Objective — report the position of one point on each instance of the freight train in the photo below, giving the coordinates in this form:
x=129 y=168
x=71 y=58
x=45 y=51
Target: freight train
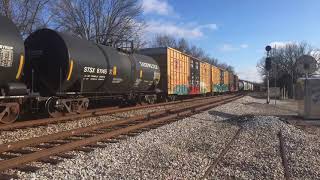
x=184 y=75
x=61 y=74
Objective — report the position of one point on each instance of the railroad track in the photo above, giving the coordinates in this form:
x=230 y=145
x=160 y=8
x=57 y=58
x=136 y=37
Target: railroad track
x=224 y=151
x=49 y=148
x=283 y=155
x=93 y=113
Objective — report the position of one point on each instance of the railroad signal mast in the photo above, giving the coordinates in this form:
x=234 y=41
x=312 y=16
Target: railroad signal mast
x=268 y=68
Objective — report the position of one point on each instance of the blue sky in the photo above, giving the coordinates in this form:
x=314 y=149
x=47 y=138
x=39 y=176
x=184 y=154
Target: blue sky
x=236 y=31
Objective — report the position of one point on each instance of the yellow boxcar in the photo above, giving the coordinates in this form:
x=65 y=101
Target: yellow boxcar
x=215 y=79
x=205 y=78
x=178 y=72
x=174 y=67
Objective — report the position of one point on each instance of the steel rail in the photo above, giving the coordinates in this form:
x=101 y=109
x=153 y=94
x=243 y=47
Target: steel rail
x=283 y=156
x=38 y=155
x=89 y=113
x=64 y=134
x=15 y=162
x=158 y=104
x=222 y=154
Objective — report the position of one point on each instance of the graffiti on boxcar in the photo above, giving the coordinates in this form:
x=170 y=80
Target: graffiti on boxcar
x=181 y=90
x=220 y=88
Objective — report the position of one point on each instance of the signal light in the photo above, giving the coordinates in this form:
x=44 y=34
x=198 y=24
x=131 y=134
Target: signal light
x=268 y=63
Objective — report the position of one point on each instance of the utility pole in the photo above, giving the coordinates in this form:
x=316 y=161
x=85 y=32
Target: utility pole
x=268 y=68
x=275 y=74
x=268 y=88
x=275 y=83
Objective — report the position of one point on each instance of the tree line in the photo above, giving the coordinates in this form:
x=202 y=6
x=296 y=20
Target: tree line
x=95 y=20
x=163 y=40
x=101 y=21
x=284 y=72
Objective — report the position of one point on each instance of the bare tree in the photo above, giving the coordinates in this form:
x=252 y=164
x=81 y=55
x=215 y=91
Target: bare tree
x=161 y=40
x=226 y=67
x=196 y=52
x=26 y=14
x=213 y=61
x=183 y=45
x=5 y=8
x=284 y=64
x=102 y=21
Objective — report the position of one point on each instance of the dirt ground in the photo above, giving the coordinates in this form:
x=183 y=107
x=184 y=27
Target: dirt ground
x=288 y=111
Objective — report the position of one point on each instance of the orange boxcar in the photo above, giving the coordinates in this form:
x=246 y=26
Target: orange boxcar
x=174 y=67
x=179 y=72
x=205 y=78
x=215 y=79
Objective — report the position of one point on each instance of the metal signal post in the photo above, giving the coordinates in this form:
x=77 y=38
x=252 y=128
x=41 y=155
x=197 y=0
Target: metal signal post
x=268 y=88
x=268 y=68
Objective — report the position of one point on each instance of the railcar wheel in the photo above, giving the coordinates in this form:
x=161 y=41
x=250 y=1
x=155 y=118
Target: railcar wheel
x=150 y=99
x=51 y=108
x=171 y=98
x=83 y=106
x=10 y=113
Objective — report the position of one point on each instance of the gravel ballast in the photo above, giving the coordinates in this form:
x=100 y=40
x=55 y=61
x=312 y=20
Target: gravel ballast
x=186 y=148
x=26 y=133
x=21 y=134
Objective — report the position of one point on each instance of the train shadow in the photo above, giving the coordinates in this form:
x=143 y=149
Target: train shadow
x=221 y=114
x=231 y=118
